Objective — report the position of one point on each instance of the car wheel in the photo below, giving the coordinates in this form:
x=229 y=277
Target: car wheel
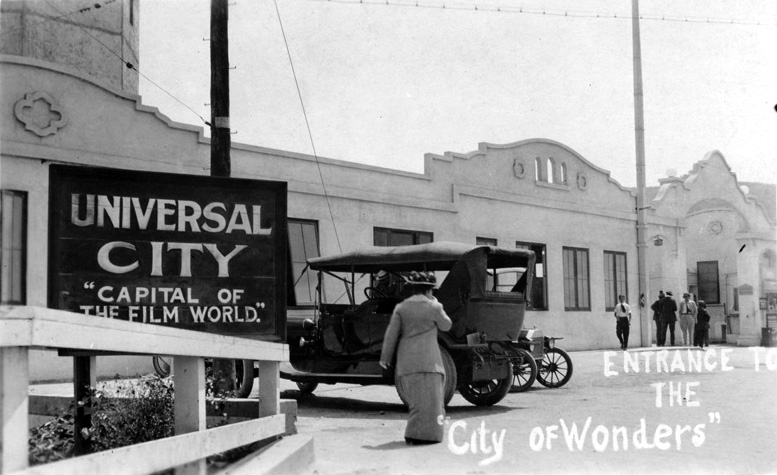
x=487 y=393
x=307 y=387
x=524 y=372
x=244 y=378
x=555 y=368
x=450 y=378
x=161 y=366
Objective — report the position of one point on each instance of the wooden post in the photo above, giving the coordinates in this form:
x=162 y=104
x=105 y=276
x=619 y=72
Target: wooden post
x=14 y=408
x=220 y=141
x=84 y=380
x=189 y=380
x=269 y=388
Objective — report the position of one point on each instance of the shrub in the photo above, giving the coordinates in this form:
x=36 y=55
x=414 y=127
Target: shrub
x=127 y=413
x=130 y=414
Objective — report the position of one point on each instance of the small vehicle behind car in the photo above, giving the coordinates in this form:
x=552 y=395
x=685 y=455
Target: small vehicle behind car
x=342 y=343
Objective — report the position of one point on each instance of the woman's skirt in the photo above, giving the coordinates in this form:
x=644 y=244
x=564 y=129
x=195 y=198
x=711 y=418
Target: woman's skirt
x=423 y=394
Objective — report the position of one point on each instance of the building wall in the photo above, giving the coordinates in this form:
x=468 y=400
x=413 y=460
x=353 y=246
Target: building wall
x=86 y=35
x=51 y=113
x=706 y=216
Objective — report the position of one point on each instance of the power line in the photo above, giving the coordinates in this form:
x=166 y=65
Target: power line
x=307 y=124
x=128 y=64
x=95 y=6
x=443 y=5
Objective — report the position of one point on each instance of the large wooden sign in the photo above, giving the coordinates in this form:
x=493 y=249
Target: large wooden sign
x=193 y=252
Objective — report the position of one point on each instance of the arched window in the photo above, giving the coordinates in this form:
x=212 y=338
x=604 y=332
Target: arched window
x=552 y=176
x=538 y=170
x=564 y=174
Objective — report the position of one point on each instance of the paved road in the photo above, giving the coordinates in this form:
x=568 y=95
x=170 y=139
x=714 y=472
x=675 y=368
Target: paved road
x=717 y=421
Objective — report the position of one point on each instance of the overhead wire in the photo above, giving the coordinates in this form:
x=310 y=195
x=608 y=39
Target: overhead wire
x=128 y=64
x=95 y=6
x=307 y=125
x=443 y=5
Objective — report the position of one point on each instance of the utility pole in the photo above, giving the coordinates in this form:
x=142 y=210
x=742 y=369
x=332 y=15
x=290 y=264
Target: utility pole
x=220 y=140
x=639 y=132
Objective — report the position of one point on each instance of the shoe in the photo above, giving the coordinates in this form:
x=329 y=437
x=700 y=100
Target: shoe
x=412 y=441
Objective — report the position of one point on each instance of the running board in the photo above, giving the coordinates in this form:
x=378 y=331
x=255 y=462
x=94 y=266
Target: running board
x=288 y=372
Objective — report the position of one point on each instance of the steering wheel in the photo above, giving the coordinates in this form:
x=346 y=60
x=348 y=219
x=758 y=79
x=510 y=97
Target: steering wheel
x=374 y=292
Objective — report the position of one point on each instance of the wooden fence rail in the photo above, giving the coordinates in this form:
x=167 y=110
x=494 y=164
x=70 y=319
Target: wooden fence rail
x=23 y=328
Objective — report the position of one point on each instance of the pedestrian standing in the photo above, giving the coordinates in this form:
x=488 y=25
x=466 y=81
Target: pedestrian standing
x=702 y=337
x=622 y=321
x=668 y=317
x=688 y=311
x=420 y=374
x=656 y=308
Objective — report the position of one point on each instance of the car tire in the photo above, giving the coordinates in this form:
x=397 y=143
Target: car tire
x=555 y=369
x=450 y=378
x=244 y=378
x=306 y=387
x=487 y=393
x=161 y=366
x=524 y=371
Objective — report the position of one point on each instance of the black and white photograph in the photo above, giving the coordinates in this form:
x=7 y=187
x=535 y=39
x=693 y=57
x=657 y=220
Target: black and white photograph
x=357 y=237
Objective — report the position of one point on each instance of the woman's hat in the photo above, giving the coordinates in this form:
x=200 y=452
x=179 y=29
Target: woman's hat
x=669 y=293
x=421 y=279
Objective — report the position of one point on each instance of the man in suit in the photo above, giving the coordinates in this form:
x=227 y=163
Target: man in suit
x=656 y=308
x=668 y=317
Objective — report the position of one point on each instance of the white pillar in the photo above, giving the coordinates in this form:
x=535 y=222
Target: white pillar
x=269 y=388
x=189 y=410
x=14 y=408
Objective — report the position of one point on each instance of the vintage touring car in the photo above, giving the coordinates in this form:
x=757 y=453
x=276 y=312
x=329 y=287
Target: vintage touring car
x=342 y=342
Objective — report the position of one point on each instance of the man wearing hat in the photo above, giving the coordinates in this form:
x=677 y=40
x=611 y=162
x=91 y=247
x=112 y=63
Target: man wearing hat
x=687 y=318
x=656 y=308
x=668 y=317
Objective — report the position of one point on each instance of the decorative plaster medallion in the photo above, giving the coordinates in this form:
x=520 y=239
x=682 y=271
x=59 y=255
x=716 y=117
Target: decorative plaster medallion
x=715 y=227
x=582 y=181
x=40 y=113
x=518 y=169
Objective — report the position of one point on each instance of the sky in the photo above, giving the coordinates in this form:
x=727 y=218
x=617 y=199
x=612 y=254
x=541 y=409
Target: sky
x=385 y=84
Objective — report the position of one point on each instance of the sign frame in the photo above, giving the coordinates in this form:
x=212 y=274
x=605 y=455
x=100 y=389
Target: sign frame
x=161 y=185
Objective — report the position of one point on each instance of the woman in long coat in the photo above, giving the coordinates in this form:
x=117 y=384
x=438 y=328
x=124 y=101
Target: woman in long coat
x=420 y=375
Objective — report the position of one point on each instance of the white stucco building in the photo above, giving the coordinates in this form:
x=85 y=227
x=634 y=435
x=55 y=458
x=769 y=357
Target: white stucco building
x=715 y=238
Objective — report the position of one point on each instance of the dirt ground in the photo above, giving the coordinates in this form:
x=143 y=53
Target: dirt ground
x=719 y=419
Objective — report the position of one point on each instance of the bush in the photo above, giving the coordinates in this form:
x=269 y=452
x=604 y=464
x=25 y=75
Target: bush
x=131 y=414
x=127 y=413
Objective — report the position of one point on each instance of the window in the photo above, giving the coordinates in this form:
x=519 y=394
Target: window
x=615 y=282
x=303 y=245
x=397 y=237
x=13 y=241
x=538 y=170
x=577 y=292
x=564 y=179
x=709 y=284
x=539 y=289
x=735 y=306
x=481 y=241
x=551 y=168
